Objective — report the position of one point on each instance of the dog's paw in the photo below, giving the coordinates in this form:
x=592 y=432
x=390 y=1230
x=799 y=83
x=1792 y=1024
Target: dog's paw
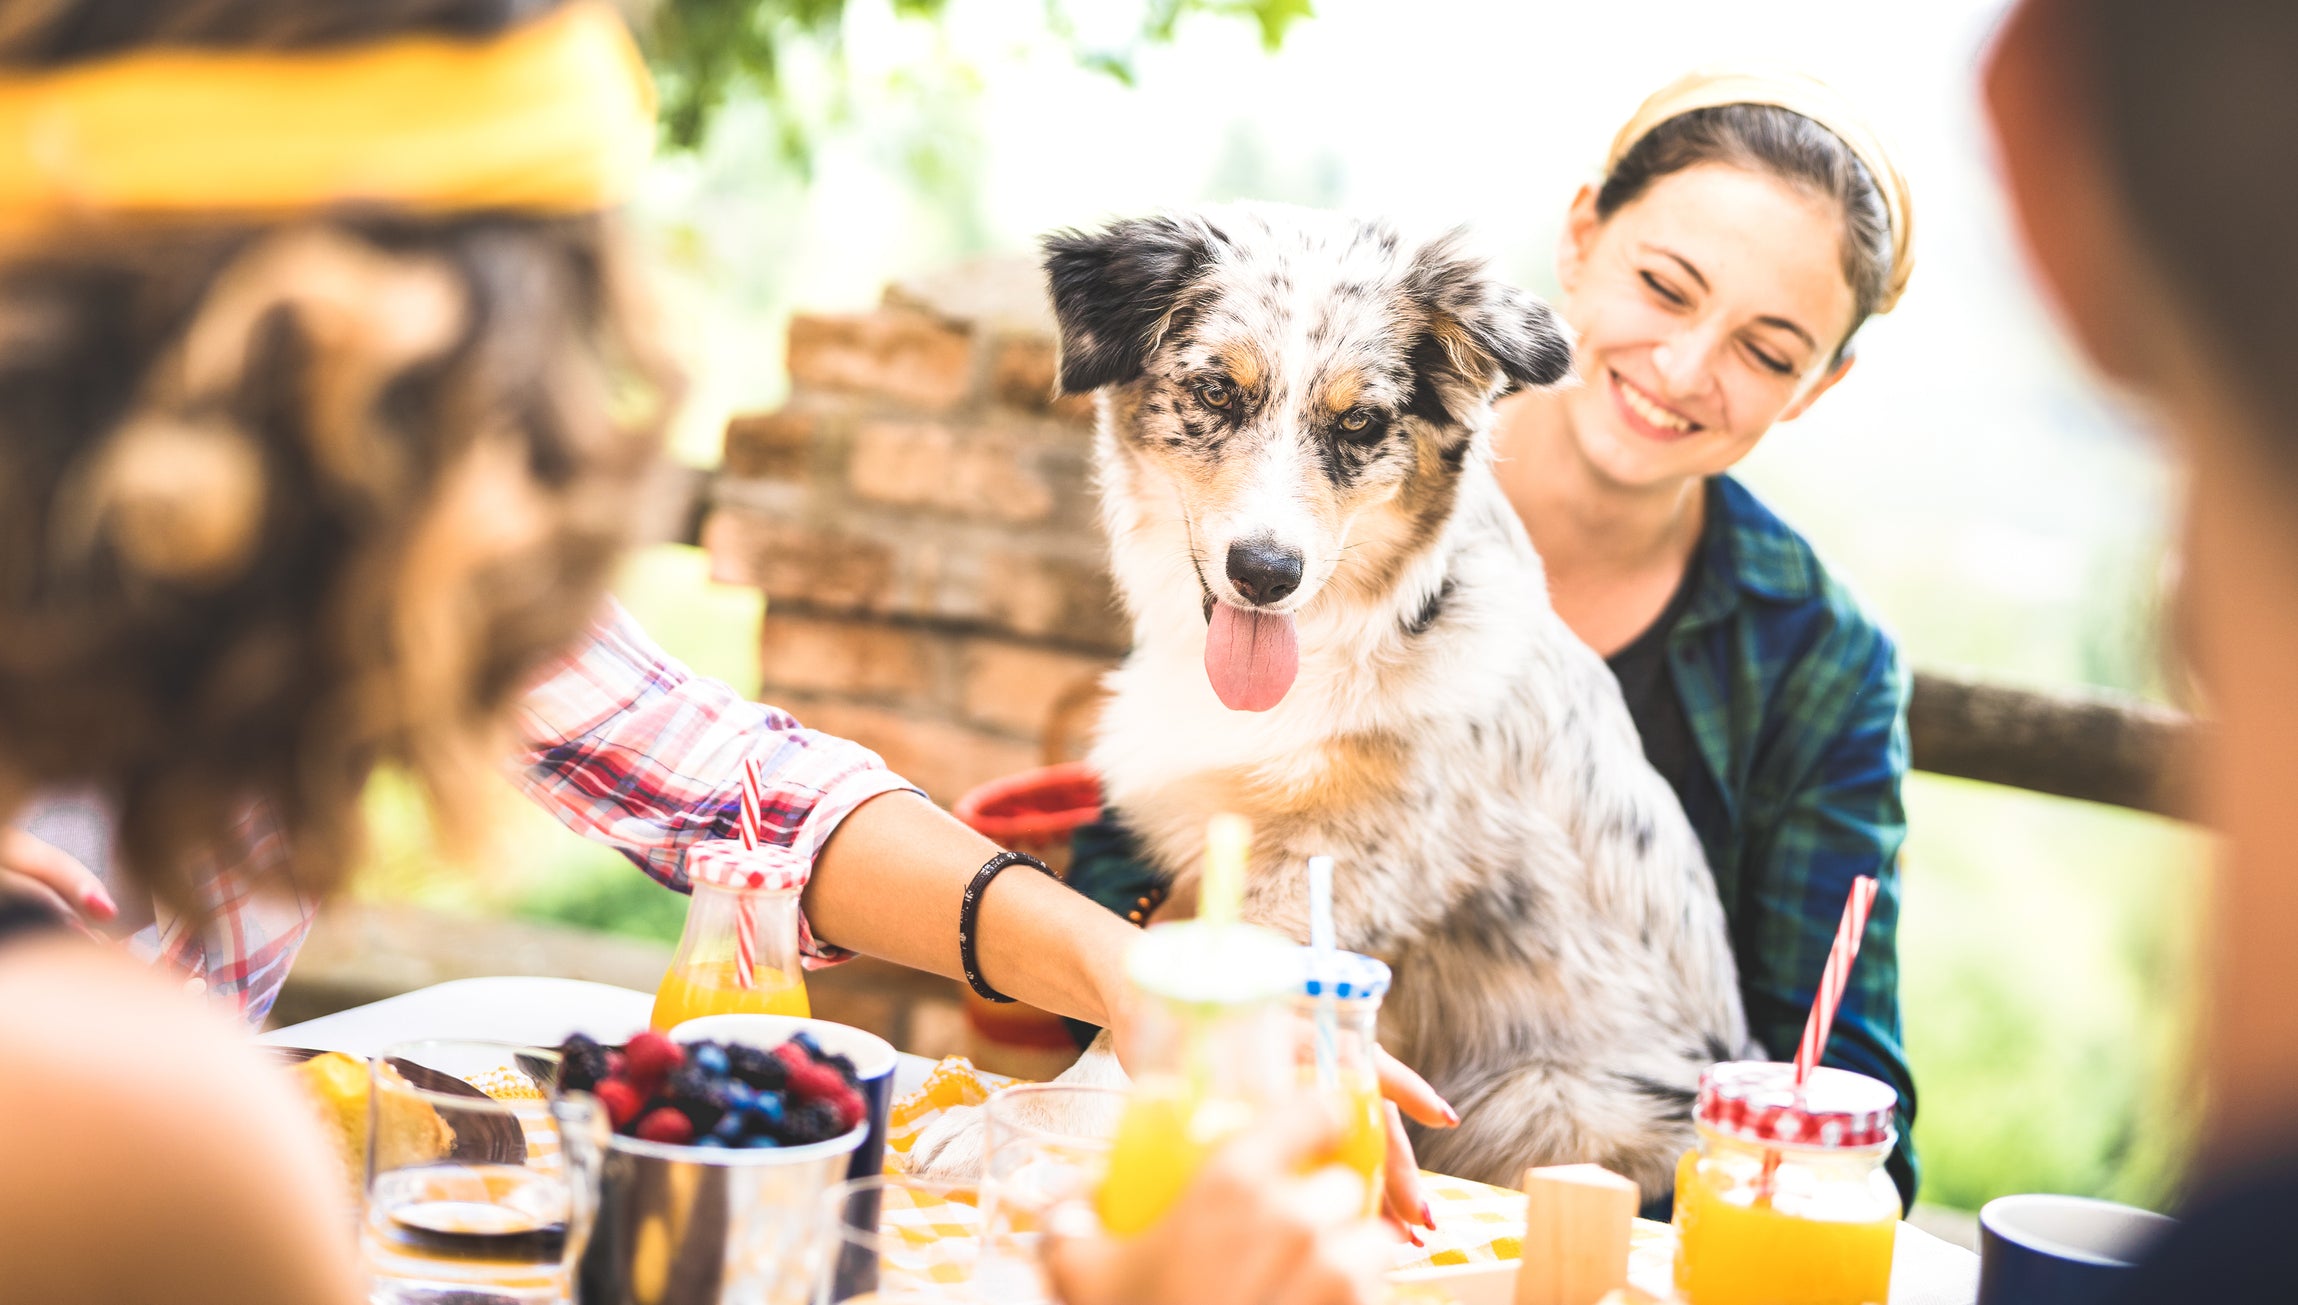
x=953 y=1146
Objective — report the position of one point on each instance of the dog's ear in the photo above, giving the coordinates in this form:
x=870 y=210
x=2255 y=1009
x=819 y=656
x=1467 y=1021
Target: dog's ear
x=1114 y=290
x=1493 y=333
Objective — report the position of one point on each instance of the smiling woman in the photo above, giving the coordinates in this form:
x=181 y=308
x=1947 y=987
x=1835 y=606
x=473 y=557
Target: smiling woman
x=1747 y=224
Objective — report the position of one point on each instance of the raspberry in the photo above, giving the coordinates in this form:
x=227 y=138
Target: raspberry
x=793 y=1056
x=652 y=1057
x=621 y=1101
x=848 y=1104
x=667 y=1126
x=816 y=1083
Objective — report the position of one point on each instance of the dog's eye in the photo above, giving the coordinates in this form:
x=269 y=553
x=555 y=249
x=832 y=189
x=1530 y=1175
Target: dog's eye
x=1215 y=394
x=1356 y=421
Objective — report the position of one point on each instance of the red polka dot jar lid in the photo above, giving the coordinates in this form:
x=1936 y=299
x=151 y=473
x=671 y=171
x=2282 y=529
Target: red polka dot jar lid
x=725 y=863
x=1758 y=1101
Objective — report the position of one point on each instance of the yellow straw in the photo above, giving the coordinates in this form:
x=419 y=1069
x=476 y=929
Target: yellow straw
x=1228 y=842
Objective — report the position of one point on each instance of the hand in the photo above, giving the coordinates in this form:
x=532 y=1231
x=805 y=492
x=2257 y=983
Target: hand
x=31 y=868
x=1406 y=1204
x=1250 y=1229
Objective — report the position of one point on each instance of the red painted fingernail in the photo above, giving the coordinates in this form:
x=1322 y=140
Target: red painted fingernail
x=1451 y=1117
x=1415 y=1237
x=99 y=904
x=1427 y=1217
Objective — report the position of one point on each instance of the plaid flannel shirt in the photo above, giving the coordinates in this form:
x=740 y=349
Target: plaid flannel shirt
x=1798 y=702
x=623 y=744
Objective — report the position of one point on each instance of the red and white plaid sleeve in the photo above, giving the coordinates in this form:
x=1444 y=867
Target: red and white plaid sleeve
x=629 y=748
x=240 y=956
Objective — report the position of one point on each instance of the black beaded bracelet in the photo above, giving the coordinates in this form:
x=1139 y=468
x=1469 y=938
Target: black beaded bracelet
x=969 y=915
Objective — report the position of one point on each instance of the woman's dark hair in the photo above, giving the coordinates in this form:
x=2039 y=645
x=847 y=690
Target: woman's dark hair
x=283 y=502
x=2199 y=102
x=1781 y=144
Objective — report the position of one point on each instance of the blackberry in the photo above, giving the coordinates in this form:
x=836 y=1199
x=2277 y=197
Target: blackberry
x=760 y=1069
x=699 y=1096
x=582 y=1064
x=845 y=1067
x=814 y=1121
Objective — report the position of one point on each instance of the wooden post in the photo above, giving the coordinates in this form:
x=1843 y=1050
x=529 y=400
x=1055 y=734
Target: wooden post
x=1576 y=1222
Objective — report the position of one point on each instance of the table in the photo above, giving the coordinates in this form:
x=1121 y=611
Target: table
x=537 y=1011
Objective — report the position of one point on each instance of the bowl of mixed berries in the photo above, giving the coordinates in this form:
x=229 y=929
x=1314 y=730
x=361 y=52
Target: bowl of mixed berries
x=720 y=1151
x=717 y=1094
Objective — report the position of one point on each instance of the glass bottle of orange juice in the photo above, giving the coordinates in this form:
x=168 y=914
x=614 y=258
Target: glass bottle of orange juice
x=1785 y=1200
x=742 y=920
x=1337 y=1010
x=1213 y=1050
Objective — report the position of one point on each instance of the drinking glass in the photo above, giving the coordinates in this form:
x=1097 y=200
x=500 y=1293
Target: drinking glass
x=1048 y=1150
x=893 y=1239
x=481 y=1183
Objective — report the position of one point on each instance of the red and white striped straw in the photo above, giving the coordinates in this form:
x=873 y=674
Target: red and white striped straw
x=745 y=919
x=1833 y=979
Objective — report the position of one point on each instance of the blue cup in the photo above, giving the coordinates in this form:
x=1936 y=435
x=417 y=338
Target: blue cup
x=2059 y=1250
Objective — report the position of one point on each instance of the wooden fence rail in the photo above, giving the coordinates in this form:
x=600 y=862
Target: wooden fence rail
x=2095 y=747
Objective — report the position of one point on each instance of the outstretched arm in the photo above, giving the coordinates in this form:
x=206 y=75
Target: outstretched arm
x=630 y=748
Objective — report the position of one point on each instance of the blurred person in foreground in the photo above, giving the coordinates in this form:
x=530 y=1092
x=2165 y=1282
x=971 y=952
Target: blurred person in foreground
x=322 y=392
x=1748 y=222
x=2151 y=151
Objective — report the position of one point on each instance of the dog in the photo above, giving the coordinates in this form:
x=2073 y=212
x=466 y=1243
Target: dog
x=1341 y=631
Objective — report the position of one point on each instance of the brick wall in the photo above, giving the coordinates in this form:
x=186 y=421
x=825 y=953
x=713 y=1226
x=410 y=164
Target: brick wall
x=920 y=517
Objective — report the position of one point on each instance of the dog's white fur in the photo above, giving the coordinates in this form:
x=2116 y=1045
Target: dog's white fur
x=1562 y=971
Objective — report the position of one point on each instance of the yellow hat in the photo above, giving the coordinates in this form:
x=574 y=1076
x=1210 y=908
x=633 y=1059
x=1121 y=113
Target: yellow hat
x=555 y=116
x=1805 y=96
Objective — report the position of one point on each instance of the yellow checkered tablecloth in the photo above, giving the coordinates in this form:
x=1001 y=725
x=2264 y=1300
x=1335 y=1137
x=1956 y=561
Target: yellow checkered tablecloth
x=938 y=1238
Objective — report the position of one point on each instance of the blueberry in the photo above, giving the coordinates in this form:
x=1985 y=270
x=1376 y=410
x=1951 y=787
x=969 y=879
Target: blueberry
x=760 y=1142
x=767 y=1106
x=806 y=1040
x=711 y=1139
x=738 y=1094
x=710 y=1058
x=730 y=1127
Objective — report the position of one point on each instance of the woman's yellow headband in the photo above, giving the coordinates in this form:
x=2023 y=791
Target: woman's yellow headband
x=1808 y=97
x=552 y=117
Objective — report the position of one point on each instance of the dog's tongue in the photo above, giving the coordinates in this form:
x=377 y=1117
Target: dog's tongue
x=1251 y=657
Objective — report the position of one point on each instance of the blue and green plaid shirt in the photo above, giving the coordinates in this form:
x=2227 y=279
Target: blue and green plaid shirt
x=1797 y=701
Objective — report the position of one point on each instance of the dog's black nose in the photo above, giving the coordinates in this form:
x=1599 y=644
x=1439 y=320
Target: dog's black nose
x=1262 y=572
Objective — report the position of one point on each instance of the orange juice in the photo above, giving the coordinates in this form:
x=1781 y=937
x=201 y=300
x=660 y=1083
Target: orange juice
x=708 y=988
x=1364 y=1139
x=1212 y=1049
x=1163 y=1139
x=1740 y=1249
x=1785 y=1201
x=1337 y=1012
